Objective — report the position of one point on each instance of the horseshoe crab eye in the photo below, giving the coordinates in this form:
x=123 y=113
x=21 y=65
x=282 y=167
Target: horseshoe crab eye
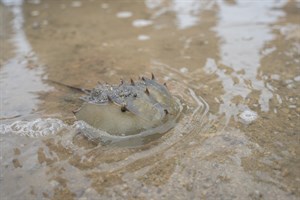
x=123 y=109
x=166 y=111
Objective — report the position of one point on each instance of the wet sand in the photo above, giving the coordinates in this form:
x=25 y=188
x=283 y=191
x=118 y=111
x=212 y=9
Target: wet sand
x=242 y=58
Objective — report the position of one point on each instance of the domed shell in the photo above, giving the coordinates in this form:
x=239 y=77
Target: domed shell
x=128 y=108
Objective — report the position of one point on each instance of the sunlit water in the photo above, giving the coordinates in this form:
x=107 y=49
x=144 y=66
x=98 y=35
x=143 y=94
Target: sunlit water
x=19 y=84
x=246 y=25
x=237 y=136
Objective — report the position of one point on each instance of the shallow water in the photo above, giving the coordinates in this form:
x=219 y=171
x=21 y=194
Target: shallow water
x=234 y=65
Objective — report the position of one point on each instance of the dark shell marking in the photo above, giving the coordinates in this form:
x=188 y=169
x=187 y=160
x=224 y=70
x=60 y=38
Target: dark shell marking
x=129 y=108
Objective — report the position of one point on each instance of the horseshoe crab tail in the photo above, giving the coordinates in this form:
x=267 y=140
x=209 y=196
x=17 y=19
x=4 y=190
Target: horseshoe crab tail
x=84 y=90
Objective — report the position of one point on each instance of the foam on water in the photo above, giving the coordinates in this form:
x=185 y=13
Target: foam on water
x=124 y=14
x=42 y=127
x=141 y=23
x=248 y=116
x=21 y=75
x=143 y=37
x=35 y=128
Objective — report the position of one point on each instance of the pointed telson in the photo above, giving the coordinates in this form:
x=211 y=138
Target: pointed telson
x=143 y=78
x=165 y=84
x=166 y=111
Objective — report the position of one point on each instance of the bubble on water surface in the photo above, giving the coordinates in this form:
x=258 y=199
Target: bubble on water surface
x=124 y=14
x=297 y=78
x=35 y=128
x=248 y=116
x=143 y=37
x=141 y=23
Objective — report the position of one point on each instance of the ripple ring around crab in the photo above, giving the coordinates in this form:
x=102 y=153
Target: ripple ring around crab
x=131 y=112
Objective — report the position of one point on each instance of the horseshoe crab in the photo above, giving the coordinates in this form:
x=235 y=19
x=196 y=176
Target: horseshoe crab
x=130 y=108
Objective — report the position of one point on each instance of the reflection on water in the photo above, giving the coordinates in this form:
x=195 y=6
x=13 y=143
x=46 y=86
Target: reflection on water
x=34 y=128
x=244 y=29
x=18 y=83
x=187 y=12
x=233 y=64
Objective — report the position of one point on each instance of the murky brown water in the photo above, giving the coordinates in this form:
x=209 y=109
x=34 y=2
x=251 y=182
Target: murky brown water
x=235 y=65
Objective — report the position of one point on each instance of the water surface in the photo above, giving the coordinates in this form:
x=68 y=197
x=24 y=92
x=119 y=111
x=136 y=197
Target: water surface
x=234 y=64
